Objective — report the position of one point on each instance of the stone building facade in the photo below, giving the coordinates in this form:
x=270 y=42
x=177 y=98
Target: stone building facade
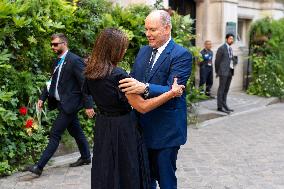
x=215 y=18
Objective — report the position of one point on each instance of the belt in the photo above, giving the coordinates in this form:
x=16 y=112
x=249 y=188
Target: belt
x=113 y=114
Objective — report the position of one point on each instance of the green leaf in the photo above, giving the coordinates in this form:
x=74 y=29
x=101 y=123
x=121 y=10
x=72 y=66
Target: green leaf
x=5 y=56
x=6 y=96
x=20 y=21
x=32 y=40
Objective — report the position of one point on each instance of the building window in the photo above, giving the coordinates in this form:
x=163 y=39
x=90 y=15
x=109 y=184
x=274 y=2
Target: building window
x=184 y=7
x=243 y=31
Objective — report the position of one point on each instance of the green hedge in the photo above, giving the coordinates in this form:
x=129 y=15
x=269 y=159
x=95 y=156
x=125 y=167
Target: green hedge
x=25 y=61
x=267 y=58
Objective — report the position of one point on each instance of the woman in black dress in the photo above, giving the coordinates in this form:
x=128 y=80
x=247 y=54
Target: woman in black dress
x=119 y=160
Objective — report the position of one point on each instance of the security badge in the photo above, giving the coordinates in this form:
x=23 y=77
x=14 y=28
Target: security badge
x=208 y=57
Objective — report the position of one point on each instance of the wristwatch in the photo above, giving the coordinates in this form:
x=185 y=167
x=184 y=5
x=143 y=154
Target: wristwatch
x=146 y=91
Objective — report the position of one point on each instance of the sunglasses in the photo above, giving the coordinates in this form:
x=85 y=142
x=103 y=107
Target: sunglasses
x=56 y=44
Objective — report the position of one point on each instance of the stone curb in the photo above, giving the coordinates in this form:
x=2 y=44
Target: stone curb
x=203 y=113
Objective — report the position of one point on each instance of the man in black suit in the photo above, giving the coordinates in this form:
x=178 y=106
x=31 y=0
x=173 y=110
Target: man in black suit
x=224 y=68
x=64 y=92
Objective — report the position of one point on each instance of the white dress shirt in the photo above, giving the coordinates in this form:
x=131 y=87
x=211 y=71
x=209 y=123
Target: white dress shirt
x=160 y=50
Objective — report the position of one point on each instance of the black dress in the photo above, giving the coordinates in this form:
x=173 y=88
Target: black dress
x=120 y=159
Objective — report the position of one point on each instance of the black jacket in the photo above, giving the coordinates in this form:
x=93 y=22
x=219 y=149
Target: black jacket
x=70 y=86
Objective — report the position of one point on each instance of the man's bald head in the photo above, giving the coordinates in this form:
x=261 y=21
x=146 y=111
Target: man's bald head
x=162 y=16
x=158 y=28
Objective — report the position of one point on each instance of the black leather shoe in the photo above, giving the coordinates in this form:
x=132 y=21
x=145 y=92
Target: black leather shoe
x=81 y=162
x=228 y=109
x=224 y=111
x=212 y=97
x=35 y=170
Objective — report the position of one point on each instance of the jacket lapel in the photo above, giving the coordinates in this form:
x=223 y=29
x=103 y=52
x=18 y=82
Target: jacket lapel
x=226 y=51
x=144 y=62
x=53 y=66
x=161 y=59
x=66 y=60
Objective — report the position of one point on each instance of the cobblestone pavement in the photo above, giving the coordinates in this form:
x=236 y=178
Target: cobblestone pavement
x=240 y=151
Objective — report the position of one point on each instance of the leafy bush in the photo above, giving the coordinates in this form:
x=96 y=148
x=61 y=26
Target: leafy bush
x=25 y=61
x=267 y=47
x=21 y=136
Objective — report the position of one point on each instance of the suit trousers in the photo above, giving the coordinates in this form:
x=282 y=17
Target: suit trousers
x=224 y=86
x=206 y=77
x=62 y=122
x=163 y=167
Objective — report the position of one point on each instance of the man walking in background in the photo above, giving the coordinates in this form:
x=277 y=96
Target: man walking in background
x=206 y=68
x=224 y=68
x=64 y=93
x=154 y=70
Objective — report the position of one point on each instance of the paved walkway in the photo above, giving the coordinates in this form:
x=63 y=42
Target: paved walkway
x=242 y=151
x=239 y=101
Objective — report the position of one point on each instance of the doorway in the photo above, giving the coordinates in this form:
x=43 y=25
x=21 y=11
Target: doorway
x=185 y=7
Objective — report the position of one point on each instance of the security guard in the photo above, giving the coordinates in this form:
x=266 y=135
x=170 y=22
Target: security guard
x=206 y=68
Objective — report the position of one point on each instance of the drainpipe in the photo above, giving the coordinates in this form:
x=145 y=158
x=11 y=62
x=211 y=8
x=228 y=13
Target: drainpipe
x=205 y=19
x=248 y=67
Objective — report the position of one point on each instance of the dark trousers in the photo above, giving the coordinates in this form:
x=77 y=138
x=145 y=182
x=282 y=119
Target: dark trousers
x=224 y=85
x=71 y=123
x=206 y=77
x=163 y=167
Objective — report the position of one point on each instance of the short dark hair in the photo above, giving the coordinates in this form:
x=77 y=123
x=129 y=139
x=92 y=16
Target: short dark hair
x=61 y=36
x=207 y=41
x=229 y=35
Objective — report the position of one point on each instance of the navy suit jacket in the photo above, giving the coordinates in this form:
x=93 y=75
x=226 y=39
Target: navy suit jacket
x=165 y=126
x=70 y=85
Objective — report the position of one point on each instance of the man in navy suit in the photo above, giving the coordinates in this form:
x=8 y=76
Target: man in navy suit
x=64 y=92
x=155 y=67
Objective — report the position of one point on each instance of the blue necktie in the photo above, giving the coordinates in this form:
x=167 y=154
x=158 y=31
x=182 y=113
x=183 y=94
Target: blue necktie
x=230 y=53
x=150 y=64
